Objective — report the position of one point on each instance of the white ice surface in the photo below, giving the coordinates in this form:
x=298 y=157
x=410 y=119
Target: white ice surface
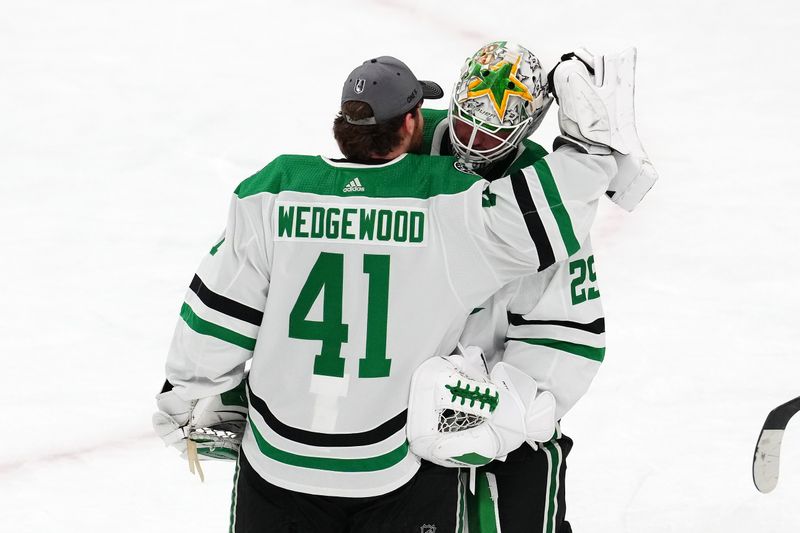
x=124 y=126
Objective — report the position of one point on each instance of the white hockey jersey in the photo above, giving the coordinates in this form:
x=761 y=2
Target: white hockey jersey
x=339 y=279
x=549 y=324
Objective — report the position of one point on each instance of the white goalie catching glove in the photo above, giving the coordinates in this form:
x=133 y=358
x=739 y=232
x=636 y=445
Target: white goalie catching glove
x=210 y=428
x=459 y=416
x=596 y=113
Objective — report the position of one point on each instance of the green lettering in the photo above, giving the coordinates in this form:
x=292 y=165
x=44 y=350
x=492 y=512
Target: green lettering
x=384 y=225
x=299 y=222
x=401 y=226
x=346 y=223
x=375 y=363
x=417 y=227
x=366 y=227
x=285 y=216
x=579 y=266
x=593 y=292
x=317 y=222
x=325 y=278
x=332 y=223
x=581 y=289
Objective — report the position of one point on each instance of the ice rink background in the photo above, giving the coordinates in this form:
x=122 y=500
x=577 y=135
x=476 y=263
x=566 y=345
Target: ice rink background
x=124 y=127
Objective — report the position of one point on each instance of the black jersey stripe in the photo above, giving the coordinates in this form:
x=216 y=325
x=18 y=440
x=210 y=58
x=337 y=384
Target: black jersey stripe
x=532 y=220
x=220 y=303
x=596 y=326
x=336 y=440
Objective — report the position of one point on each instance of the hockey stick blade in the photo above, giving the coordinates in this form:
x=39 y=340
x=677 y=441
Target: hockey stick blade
x=766 y=459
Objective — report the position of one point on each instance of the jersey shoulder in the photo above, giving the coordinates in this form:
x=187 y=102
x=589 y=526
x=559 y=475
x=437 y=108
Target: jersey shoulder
x=409 y=176
x=533 y=152
x=433 y=118
x=285 y=172
x=425 y=176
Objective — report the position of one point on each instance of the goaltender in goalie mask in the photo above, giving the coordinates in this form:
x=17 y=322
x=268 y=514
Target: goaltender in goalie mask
x=500 y=98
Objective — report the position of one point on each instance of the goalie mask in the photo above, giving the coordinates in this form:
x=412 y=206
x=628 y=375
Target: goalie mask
x=500 y=99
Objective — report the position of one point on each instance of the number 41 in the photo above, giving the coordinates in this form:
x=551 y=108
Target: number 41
x=328 y=274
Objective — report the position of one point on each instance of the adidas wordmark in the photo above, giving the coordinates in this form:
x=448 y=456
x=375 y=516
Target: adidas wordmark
x=354 y=186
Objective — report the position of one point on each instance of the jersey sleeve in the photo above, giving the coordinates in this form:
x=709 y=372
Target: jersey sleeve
x=223 y=308
x=556 y=328
x=540 y=214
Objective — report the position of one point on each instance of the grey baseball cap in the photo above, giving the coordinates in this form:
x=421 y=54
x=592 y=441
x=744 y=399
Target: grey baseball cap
x=389 y=87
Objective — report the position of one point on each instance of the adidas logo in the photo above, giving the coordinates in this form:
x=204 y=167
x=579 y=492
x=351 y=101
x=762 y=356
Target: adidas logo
x=354 y=186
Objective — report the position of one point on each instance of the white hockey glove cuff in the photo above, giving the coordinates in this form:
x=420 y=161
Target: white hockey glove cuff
x=171 y=419
x=214 y=424
x=636 y=175
x=534 y=417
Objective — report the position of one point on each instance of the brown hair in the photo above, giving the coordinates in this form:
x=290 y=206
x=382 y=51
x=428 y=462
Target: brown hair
x=365 y=142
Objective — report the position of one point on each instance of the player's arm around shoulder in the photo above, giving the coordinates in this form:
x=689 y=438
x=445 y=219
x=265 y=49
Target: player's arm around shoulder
x=573 y=182
x=540 y=213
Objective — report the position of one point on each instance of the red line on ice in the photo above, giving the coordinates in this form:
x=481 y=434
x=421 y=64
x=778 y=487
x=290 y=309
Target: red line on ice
x=7 y=468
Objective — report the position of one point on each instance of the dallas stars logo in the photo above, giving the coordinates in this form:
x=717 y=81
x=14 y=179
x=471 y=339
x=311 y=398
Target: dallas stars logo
x=499 y=84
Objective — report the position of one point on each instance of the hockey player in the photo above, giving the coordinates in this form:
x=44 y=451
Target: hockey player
x=549 y=324
x=338 y=278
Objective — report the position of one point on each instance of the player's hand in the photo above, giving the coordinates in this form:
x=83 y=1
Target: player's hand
x=582 y=55
x=215 y=424
x=171 y=420
x=524 y=414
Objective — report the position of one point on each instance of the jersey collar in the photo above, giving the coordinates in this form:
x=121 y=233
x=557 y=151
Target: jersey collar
x=351 y=163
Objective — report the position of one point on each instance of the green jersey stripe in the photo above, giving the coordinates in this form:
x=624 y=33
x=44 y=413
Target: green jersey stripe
x=557 y=206
x=216 y=247
x=589 y=352
x=204 y=327
x=473 y=458
x=554 y=453
x=365 y=464
x=482 y=507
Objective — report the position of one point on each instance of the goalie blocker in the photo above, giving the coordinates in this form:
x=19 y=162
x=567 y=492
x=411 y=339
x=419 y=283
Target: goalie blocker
x=596 y=115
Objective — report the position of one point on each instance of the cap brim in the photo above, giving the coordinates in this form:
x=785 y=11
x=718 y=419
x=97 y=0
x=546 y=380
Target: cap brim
x=431 y=90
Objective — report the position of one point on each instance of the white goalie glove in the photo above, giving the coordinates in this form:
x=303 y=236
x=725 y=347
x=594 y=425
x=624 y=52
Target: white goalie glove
x=596 y=113
x=210 y=428
x=459 y=416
